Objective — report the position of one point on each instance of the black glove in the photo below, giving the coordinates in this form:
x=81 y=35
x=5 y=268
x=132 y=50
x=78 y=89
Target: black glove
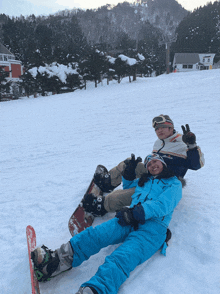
x=131 y=216
x=143 y=179
x=131 y=164
x=188 y=137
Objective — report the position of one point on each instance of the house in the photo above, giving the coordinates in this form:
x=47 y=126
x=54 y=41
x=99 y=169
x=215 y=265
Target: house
x=192 y=61
x=10 y=64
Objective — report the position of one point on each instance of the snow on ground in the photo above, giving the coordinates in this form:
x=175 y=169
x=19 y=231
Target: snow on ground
x=50 y=147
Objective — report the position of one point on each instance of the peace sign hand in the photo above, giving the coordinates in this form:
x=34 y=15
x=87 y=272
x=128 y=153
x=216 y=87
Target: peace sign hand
x=188 y=137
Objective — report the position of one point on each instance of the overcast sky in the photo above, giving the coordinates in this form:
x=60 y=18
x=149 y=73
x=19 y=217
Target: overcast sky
x=46 y=7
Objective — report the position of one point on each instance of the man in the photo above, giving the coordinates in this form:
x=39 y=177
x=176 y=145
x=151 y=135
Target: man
x=180 y=152
x=140 y=230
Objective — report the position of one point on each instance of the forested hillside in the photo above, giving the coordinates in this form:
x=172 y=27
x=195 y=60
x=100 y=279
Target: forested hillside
x=67 y=35
x=200 y=31
x=109 y=25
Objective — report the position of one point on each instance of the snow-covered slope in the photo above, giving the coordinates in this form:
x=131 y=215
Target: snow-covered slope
x=50 y=147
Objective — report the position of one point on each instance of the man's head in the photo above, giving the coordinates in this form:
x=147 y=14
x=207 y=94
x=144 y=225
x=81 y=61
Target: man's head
x=163 y=126
x=154 y=164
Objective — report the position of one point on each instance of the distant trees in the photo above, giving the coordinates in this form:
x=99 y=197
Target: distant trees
x=69 y=36
x=58 y=78
x=39 y=40
x=112 y=42
x=199 y=32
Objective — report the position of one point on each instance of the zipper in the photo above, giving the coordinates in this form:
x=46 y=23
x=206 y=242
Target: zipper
x=150 y=190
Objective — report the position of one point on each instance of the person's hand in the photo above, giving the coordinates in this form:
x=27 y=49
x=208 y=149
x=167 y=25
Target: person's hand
x=131 y=216
x=188 y=137
x=130 y=166
x=125 y=217
x=143 y=179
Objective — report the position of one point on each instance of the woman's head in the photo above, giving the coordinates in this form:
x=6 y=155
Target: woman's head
x=154 y=164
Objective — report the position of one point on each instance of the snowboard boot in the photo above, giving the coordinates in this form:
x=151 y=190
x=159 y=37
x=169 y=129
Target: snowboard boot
x=86 y=290
x=102 y=179
x=94 y=204
x=48 y=263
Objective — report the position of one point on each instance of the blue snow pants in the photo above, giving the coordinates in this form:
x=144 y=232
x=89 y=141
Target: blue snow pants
x=136 y=248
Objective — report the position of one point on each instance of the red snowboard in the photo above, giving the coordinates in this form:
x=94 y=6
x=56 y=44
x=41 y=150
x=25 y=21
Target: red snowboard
x=80 y=219
x=31 y=242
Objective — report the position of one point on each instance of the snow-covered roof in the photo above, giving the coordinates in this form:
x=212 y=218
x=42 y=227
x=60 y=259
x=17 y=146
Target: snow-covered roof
x=186 y=58
x=4 y=50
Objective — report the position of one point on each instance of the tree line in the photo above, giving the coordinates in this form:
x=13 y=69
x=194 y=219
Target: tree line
x=97 y=66
x=84 y=40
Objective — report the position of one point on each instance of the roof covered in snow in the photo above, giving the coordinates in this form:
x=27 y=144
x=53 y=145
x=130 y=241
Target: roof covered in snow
x=186 y=58
x=4 y=50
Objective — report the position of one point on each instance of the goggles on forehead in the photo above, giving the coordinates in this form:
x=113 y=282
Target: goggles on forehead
x=161 y=119
x=153 y=156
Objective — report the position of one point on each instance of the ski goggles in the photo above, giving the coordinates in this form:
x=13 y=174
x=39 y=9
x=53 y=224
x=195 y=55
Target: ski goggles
x=153 y=156
x=161 y=119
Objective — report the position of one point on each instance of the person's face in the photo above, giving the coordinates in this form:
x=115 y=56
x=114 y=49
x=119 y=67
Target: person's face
x=163 y=133
x=155 y=167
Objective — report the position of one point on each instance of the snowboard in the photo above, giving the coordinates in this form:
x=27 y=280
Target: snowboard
x=80 y=219
x=31 y=243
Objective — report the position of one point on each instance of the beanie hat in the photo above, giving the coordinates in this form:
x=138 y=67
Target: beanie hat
x=163 y=121
x=154 y=156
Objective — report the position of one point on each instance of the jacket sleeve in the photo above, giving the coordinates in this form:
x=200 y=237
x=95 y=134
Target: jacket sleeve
x=129 y=184
x=195 y=158
x=165 y=203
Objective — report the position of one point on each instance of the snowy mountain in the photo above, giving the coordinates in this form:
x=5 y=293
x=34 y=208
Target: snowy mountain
x=50 y=147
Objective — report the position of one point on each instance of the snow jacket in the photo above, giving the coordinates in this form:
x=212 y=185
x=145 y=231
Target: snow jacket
x=178 y=156
x=158 y=197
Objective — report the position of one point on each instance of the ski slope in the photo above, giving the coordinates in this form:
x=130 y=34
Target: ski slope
x=50 y=147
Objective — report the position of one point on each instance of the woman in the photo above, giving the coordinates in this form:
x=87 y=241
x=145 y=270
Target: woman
x=141 y=229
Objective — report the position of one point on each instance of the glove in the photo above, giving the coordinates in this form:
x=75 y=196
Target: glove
x=143 y=179
x=131 y=216
x=131 y=164
x=188 y=137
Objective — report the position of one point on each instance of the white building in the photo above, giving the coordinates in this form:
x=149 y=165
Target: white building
x=192 y=61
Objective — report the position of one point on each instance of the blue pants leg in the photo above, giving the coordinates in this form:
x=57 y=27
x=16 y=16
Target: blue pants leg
x=137 y=247
x=92 y=240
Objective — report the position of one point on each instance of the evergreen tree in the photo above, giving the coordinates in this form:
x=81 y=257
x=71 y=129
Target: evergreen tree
x=29 y=83
x=94 y=66
x=42 y=82
x=121 y=68
x=54 y=84
x=124 y=42
x=44 y=41
x=73 y=82
x=36 y=59
x=3 y=81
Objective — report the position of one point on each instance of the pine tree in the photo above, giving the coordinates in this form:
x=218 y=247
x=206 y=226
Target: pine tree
x=29 y=83
x=3 y=81
x=121 y=68
x=73 y=81
x=94 y=66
